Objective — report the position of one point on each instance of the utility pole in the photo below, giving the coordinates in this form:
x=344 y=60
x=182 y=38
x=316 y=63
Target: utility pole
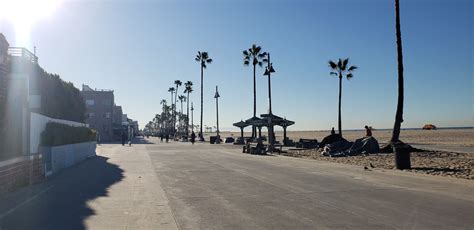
x=216 y=96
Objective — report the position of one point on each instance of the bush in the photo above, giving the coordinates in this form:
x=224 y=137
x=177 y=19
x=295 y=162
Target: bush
x=57 y=134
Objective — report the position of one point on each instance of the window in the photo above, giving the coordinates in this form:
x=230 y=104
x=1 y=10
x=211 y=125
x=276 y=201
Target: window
x=107 y=115
x=107 y=102
x=89 y=102
x=89 y=115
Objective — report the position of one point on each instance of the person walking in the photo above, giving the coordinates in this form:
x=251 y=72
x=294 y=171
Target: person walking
x=167 y=138
x=193 y=137
x=124 y=138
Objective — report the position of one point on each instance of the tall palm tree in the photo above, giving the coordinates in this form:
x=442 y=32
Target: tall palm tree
x=341 y=69
x=399 y=114
x=178 y=83
x=253 y=55
x=181 y=99
x=188 y=88
x=203 y=58
x=401 y=150
x=171 y=90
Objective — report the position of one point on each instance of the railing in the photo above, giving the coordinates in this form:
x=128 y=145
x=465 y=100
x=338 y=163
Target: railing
x=22 y=52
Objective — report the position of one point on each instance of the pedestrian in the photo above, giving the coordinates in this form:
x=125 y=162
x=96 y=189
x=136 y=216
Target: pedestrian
x=193 y=137
x=333 y=131
x=167 y=138
x=161 y=137
x=368 y=131
x=124 y=138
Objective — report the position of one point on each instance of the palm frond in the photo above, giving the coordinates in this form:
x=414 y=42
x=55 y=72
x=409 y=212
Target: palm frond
x=344 y=63
x=246 y=62
x=260 y=63
x=339 y=64
x=203 y=65
x=209 y=60
x=349 y=76
x=246 y=53
x=333 y=73
x=352 y=68
x=332 y=64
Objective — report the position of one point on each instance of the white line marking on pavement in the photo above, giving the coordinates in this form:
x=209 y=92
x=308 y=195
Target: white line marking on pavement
x=25 y=202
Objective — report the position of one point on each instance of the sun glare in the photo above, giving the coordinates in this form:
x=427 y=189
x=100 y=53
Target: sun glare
x=23 y=14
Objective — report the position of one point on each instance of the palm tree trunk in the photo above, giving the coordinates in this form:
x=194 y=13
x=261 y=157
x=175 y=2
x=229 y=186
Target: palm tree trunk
x=399 y=114
x=254 y=130
x=175 y=108
x=339 y=122
x=187 y=116
x=200 y=127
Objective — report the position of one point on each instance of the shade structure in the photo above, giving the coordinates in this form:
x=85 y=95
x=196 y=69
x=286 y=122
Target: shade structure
x=255 y=121
x=241 y=124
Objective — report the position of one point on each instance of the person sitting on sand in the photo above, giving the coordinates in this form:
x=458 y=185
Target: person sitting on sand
x=368 y=131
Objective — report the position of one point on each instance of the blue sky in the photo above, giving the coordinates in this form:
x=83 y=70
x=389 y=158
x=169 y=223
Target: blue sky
x=138 y=48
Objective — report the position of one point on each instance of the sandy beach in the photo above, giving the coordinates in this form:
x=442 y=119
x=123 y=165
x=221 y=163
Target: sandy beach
x=440 y=137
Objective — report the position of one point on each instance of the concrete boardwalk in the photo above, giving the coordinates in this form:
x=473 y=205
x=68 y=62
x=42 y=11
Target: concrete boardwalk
x=177 y=185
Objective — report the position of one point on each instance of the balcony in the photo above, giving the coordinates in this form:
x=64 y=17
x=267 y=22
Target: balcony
x=23 y=53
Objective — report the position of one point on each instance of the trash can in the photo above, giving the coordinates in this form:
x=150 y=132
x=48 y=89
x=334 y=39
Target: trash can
x=402 y=156
x=212 y=139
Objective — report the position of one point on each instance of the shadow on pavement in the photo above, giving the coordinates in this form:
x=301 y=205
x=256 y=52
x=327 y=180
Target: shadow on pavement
x=64 y=206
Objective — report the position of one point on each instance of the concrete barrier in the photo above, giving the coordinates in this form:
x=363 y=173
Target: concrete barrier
x=56 y=158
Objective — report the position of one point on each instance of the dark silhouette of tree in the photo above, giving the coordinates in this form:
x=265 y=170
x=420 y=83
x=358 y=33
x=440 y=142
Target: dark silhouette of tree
x=203 y=58
x=178 y=83
x=399 y=113
x=181 y=99
x=253 y=55
x=341 y=69
x=188 y=88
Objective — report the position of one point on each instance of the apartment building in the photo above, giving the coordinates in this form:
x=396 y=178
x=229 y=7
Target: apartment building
x=99 y=111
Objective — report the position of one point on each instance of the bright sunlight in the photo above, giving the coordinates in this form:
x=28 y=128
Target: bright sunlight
x=23 y=14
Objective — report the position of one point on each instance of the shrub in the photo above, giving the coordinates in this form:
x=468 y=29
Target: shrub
x=57 y=134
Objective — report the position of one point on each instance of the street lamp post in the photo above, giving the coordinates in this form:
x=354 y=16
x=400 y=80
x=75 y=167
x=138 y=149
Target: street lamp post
x=268 y=70
x=216 y=96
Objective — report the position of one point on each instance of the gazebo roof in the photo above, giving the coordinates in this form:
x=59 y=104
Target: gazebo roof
x=286 y=123
x=256 y=121
x=241 y=124
x=276 y=120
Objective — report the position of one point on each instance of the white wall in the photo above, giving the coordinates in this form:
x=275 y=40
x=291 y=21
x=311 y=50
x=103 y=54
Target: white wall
x=38 y=125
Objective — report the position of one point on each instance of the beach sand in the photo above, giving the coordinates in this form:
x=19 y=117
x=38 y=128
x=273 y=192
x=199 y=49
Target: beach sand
x=440 y=137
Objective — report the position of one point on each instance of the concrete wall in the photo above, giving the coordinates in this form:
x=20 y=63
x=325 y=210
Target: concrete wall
x=57 y=158
x=38 y=125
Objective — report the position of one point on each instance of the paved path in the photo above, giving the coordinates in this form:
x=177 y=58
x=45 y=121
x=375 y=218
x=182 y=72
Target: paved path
x=177 y=185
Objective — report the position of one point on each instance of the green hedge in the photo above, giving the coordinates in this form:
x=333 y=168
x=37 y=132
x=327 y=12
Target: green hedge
x=57 y=134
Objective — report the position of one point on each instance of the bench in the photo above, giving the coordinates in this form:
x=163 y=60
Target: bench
x=308 y=144
x=254 y=148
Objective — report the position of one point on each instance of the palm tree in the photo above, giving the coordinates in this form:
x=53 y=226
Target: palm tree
x=341 y=69
x=164 y=122
x=177 y=83
x=253 y=55
x=401 y=150
x=171 y=90
x=181 y=99
x=203 y=59
x=188 y=88
x=399 y=113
